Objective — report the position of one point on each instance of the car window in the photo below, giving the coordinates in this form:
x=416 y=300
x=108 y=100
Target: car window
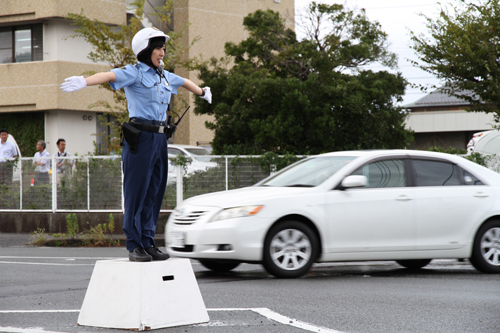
x=436 y=173
x=308 y=172
x=470 y=179
x=199 y=151
x=387 y=173
x=173 y=152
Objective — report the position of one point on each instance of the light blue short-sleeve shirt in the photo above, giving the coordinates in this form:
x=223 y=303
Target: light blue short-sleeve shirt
x=147 y=97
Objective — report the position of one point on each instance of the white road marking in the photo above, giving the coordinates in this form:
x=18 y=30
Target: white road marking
x=41 y=263
x=292 y=322
x=62 y=258
x=265 y=312
x=53 y=258
x=25 y=330
x=37 y=311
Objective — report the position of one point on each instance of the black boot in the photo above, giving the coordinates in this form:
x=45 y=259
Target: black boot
x=157 y=254
x=139 y=255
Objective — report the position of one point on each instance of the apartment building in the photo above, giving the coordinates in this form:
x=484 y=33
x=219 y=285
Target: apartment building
x=37 y=53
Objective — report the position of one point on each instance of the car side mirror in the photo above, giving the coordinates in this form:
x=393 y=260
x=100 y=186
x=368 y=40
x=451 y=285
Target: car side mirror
x=354 y=181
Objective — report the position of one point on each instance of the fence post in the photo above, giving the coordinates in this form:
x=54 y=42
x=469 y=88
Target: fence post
x=227 y=175
x=179 y=172
x=21 y=184
x=54 y=185
x=88 y=184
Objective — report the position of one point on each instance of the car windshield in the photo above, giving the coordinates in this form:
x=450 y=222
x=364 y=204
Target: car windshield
x=309 y=172
x=198 y=153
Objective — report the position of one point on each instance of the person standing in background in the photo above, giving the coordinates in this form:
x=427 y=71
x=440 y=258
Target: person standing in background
x=63 y=165
x=42 y=164
x=7 y=150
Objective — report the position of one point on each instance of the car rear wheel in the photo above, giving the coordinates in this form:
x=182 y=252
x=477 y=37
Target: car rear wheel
x=219 y=265
x=290 y=249
x=414 y=263
x=486 y=248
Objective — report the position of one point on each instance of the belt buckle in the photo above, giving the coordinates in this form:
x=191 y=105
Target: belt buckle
x=161 y=129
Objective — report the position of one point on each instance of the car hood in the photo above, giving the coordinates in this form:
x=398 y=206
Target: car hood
x=245 y=196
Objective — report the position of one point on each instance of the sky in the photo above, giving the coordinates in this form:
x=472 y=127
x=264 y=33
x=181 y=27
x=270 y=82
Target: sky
x=397 y=18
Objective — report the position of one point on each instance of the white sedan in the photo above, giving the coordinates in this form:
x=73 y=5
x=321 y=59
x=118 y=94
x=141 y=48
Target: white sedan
x=402 y=205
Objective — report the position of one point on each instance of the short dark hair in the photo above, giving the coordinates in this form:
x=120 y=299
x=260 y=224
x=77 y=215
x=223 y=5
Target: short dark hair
x=145 y=55
x=4 y=130
x=59 y=141
x=42 y=143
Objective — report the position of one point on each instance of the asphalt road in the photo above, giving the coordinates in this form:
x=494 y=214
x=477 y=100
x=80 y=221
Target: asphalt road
x=42 y=290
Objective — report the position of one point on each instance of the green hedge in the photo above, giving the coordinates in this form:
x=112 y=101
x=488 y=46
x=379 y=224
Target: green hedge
x=26 y=127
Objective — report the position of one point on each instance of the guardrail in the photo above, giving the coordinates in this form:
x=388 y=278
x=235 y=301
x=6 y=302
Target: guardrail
x=95 y=184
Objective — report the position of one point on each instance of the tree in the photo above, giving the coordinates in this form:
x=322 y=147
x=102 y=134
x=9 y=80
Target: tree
x=113 y=45
x=464 y=52
x=305 y=97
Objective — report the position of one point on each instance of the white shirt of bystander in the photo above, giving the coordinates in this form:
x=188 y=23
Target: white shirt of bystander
x=45 y=161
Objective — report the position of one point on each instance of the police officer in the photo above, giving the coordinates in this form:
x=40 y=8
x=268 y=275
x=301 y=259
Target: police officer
x=145 y=156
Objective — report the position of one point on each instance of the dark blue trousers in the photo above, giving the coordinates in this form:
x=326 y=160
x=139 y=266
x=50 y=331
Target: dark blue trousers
x=144 y=181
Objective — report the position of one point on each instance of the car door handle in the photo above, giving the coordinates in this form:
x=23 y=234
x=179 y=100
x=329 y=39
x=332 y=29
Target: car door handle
x=481 y=195
x=403 y=198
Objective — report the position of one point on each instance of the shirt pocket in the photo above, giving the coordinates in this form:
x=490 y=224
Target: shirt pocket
x=166 y=93
x=148 y=88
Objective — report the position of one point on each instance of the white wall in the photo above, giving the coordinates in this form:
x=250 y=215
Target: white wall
x=449 y=121
x=70 y=126
x=58 y=45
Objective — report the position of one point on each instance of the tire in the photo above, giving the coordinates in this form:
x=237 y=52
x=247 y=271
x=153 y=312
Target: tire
x=219 y=265
x=414 y=263
x=486 y=248
x=290 y=249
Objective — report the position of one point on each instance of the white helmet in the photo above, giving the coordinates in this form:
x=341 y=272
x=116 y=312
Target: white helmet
x=142 y=37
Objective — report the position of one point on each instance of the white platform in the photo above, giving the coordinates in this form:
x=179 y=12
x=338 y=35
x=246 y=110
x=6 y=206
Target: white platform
x=142 y=296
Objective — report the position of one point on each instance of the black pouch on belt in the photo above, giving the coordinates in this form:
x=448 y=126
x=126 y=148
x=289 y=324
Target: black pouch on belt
x=131 y=135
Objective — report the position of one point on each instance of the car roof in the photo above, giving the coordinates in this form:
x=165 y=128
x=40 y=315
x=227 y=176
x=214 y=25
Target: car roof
x=185 y=146
x=388 y=152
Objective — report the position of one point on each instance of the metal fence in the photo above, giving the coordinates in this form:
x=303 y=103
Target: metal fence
x=95 y=184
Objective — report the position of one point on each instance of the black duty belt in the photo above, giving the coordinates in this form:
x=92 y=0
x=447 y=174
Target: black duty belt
x=149 y=128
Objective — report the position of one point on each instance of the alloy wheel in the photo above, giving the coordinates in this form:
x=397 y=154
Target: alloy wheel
x=490 y=246
x=290 y=249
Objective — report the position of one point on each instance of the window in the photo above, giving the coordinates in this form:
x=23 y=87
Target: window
x=470 y=179
x=174 y=152
x=388 y=173
x=434 y=173
x=21 y=43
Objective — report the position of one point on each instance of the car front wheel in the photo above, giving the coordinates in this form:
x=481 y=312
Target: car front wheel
x=219 y=265
x=486 y=248
x=290 y=249
x=414 y=263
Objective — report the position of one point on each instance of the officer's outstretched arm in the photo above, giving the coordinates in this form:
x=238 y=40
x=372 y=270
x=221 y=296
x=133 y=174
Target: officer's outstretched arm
x=204 y=93
x=76 y=83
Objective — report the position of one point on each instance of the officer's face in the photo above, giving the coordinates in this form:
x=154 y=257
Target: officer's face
x=157 y=55
x=3 y=136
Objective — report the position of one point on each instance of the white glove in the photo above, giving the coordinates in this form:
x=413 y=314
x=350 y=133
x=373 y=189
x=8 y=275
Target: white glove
x=208 y=95
x=73 y=83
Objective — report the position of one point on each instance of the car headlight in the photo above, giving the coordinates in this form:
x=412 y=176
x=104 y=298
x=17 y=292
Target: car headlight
x=230 y=213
